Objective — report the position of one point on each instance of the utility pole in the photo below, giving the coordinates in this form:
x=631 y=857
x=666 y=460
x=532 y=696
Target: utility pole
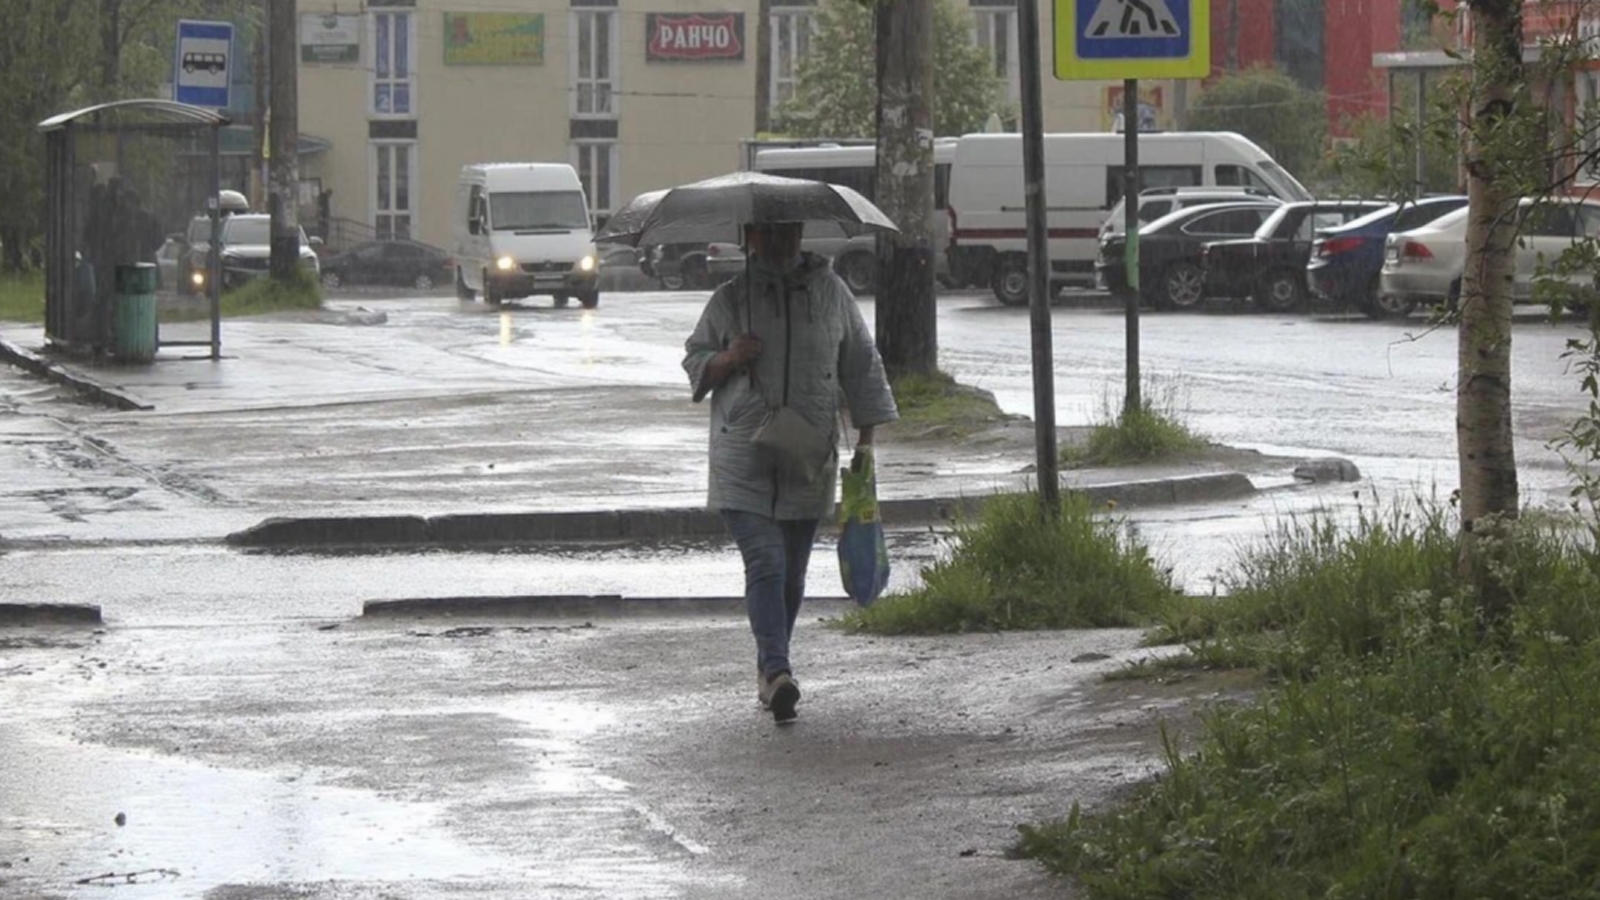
x=1038 y=225
x=907 y=312
x=763 y=67
x=284 y=130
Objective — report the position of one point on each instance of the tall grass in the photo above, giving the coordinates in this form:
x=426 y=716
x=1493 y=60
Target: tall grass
x=1153 y=431
x=1409 y=747
x=22 y=297
x=1014 y=569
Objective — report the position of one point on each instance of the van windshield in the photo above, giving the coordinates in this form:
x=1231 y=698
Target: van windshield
x=529 y=210
x=1282 y=182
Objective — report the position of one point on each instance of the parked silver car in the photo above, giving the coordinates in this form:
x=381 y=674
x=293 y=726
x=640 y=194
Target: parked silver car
x=1424 y=265
x=247 y=251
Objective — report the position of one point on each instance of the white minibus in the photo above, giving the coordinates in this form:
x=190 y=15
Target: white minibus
x=523 y=229
x=1083 y=181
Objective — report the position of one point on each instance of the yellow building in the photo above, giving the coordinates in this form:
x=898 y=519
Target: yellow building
x=637 y=94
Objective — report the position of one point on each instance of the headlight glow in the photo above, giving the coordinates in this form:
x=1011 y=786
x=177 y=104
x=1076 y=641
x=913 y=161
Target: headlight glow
x=587 y=264
x=198 y=277
x=505 y=264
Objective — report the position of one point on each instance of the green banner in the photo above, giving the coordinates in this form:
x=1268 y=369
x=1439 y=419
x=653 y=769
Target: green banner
x=493 y=39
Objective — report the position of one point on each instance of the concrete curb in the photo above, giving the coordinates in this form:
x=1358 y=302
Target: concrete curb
x=103 y=394
x=13 y=614
x=565 y=606
x=502 y=529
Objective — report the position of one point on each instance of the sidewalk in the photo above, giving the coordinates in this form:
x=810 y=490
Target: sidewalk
x=361 y=435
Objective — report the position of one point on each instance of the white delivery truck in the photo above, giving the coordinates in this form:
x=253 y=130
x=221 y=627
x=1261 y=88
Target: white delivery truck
x=1083 y=181
x=521 y=230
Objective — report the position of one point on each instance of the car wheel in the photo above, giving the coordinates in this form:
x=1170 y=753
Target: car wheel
x=1379 y=306
x=331 y=279
x=859 y=271
x=424 y=282
x=491 y=297
x=1279 y=291
x=463 y=293
x=673 y=282
x=1010 y=283
x=1182 y=286
x=589 y=299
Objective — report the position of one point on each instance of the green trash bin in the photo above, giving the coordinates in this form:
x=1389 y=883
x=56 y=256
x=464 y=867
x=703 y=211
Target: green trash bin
x=133 y=336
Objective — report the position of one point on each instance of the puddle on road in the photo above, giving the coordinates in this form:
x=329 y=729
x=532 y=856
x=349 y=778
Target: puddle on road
x=59 y=802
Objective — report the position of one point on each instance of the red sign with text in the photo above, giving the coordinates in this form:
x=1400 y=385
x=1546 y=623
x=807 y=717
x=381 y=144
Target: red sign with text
x=695 y=37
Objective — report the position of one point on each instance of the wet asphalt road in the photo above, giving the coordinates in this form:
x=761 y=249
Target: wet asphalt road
x=261 y=740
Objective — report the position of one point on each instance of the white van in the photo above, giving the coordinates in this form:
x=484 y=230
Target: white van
x=856 y=166
x=523 y=229
x=1083 y=181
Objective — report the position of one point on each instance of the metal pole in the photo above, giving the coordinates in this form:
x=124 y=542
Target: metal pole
x=1132 y=404
x=1044 y=388
x=214 y=253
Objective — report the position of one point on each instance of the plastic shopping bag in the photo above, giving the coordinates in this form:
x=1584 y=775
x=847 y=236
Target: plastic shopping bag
x=863 y=554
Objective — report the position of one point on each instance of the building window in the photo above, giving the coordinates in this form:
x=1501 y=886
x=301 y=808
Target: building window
x=1587 y=124
x=995 y=30
x=394 y=67
x=394 y=173
x=792 y=30
x=594 y=63
x=596 y=162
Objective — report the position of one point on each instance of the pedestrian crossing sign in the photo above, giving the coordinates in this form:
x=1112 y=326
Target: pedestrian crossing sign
x=1118 y=39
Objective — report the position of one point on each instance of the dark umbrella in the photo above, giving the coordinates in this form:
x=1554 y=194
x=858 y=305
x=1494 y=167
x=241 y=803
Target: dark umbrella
x=716 y=210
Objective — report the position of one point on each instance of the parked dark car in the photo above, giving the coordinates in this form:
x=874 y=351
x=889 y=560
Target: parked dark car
x=396 y=263
x=1270 y=266
x=677 y=267
x=1346 y=261
x=1169 y=250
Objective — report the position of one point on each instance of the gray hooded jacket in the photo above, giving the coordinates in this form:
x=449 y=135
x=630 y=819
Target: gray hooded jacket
x=816 y=350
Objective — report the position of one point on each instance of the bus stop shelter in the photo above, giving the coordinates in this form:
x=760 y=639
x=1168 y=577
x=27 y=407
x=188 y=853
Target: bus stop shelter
x=119 y=179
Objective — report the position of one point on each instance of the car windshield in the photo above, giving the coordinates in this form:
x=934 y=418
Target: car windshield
x=252 y=231
x=527 y=210
x=1373 y=217
x=1284 y=183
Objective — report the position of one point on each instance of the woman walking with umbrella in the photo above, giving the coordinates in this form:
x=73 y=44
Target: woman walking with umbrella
x=777 y=349
x=786 y=334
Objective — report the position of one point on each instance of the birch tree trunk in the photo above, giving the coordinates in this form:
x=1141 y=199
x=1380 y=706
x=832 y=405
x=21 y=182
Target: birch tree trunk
x=1486 y=454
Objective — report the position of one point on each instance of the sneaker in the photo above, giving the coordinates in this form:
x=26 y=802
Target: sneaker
x=783 y=692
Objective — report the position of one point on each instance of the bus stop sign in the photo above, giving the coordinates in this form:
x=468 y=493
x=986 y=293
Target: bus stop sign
x=202 y=65
x=1122 y=39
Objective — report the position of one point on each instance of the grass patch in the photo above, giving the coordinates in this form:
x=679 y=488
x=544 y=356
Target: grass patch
x=1406 y=748
x=1119 y=437
x=22 y=297
x=1009 y=569
x=938 y=404
x=265 y=295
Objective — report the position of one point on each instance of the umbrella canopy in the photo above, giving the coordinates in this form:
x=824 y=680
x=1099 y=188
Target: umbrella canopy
x=717 y=209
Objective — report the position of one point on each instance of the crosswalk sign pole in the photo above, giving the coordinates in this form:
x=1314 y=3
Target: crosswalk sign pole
x=1033 y=193
x=1132 y=405
x=1104 y=40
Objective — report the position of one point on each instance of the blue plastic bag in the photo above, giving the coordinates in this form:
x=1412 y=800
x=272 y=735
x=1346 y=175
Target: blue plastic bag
x=863 y=553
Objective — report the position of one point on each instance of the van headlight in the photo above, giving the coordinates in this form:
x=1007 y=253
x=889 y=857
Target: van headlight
x=586 y=264
x=505 y=264
x=198 y=278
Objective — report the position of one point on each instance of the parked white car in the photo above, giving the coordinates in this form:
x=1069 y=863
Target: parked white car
x=1424 y=265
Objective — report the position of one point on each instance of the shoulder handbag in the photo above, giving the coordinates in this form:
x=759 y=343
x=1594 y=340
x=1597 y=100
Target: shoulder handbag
x=798 y=449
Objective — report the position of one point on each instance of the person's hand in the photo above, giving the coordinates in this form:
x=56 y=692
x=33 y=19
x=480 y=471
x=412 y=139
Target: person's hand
x=744 y=350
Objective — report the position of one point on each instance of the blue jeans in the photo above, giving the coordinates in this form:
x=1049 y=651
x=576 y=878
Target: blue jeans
x=776 y=554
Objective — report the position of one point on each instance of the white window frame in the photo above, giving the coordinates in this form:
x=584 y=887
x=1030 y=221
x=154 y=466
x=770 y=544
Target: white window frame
x=374 y=209
x=985 y=20
x=409 y=14
x=607 y=80
x=1587 y=106
x=605 y=150
x=792 y=18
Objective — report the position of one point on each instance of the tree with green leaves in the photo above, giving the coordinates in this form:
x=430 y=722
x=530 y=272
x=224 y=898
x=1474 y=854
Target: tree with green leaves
x=836 y=92
x=1269 y=108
